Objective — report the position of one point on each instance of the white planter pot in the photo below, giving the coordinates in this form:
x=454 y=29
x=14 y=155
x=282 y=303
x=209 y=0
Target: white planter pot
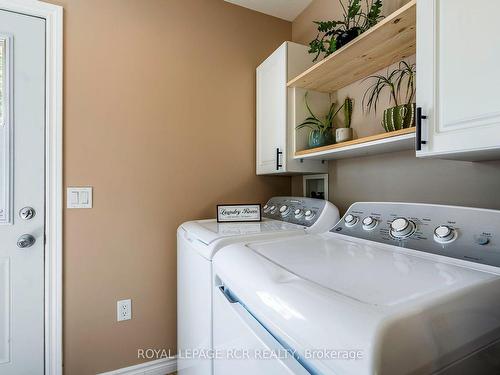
x=343 y=134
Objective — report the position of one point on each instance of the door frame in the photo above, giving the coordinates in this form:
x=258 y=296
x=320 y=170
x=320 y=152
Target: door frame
x=53 y=15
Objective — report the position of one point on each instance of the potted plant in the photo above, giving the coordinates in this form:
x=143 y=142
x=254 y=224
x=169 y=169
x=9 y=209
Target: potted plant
x=345 y=133
x=401 y=115
x=332 y=35
x=321 y=131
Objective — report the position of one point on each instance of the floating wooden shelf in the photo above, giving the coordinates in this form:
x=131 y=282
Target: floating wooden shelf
x=398 y=140
x=391 y=40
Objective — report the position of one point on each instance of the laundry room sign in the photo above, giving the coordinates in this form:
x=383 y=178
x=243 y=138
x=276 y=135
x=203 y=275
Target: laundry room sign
x=238 y=213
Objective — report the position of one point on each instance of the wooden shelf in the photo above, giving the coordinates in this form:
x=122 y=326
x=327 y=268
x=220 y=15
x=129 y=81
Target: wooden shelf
x=388 y=42
x=398 y=140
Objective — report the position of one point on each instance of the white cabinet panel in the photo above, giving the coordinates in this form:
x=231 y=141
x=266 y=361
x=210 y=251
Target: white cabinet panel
x=276 y=113
x=271 y=112
x=458 y=78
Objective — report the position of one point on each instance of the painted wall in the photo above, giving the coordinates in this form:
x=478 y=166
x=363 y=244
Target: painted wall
x=160 y=119
x=395 y=176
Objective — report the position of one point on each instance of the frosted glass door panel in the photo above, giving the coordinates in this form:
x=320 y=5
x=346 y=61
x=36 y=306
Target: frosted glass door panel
x=5 y=159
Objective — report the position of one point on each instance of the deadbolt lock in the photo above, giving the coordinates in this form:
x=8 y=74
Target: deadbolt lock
x=27 y=213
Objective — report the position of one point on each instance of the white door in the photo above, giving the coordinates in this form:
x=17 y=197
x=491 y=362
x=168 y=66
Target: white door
x=22 y=123
x=271 y=112
x=458 y=54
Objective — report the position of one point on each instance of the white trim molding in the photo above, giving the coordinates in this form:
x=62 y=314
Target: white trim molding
x=53 y=16
x=158 y=367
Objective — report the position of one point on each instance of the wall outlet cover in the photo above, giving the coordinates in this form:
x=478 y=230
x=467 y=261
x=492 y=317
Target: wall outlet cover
x=124 y=310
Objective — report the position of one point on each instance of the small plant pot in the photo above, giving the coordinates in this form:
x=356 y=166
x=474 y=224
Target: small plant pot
x=343 y=134
x=347 y=36
x=400 y=117
x=318 y=138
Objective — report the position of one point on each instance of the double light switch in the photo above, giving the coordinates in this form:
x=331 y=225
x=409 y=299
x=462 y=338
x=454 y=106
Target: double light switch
x=79 y=197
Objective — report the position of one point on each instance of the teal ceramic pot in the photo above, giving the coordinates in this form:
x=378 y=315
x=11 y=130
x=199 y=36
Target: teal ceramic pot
x=318 y=138
x=400 y=117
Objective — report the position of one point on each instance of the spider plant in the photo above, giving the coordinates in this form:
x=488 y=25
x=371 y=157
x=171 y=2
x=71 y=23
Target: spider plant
x=393 y=81
x=402 y=114
x=321 y=129
x=357 y=18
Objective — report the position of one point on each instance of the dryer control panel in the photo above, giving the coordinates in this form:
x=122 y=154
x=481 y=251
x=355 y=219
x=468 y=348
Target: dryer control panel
x=297 y=210
x=471 y=234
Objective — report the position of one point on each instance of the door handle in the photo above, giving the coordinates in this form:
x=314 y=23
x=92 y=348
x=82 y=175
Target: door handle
x=418 y=130
x=278 y=153
x=26 y=240
x=225 y=292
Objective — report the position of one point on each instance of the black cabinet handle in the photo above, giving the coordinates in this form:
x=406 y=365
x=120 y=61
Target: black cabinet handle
x=418 y=136
x=278 y=153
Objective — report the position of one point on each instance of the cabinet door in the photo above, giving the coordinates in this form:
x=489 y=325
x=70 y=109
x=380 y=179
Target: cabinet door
x=458 y=55
x=271 y=112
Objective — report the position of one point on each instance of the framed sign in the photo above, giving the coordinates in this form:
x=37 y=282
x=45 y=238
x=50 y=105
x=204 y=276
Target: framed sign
x=232 y=213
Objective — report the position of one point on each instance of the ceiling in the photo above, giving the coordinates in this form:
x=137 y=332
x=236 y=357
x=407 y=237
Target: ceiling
x=284 y=9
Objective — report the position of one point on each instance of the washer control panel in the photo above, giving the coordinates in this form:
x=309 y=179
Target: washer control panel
x=471 y=234
x=296 y=210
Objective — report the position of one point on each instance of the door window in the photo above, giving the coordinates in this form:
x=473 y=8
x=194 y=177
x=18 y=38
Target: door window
x=5 y=159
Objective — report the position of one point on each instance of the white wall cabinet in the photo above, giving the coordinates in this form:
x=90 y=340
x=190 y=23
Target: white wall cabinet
x=458 y=79
x=276 y=113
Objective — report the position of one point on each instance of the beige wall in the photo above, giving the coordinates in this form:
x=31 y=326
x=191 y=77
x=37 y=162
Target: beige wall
x=396 y=176
x=160 y=119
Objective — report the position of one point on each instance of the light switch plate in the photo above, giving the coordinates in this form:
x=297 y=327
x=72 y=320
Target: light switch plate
x=79 y=197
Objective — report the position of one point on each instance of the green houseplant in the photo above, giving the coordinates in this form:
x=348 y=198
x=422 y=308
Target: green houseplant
x=402 y=114
x=357 y=18
x=345 y=133
x=321 y=130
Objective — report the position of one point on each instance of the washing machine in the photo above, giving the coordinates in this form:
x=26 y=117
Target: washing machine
x=392 y=289
x=197 y=243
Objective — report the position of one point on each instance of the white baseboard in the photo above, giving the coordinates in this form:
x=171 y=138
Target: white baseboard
x=157 y=367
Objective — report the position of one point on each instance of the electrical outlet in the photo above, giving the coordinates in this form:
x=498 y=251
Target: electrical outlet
x=124 y=310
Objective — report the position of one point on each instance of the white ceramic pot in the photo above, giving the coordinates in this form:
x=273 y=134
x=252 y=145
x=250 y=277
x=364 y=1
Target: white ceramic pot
x=343 y=134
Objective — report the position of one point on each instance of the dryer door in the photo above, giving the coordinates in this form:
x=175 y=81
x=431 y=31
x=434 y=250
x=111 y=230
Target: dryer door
x=243 y=346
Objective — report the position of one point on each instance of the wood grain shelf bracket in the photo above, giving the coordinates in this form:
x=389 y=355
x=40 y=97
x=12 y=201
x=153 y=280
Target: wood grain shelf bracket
x=388 y=42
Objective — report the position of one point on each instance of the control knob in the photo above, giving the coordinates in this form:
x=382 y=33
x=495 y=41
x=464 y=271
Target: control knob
x=402 y=228
x=444 y=234
x=284 y=210
x=298 y=213
x=369 y=223
x=350 y=220
x=309 y=214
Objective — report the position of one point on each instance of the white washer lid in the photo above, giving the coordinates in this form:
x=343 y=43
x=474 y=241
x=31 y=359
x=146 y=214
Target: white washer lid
x=208 y=231
x=405 y=313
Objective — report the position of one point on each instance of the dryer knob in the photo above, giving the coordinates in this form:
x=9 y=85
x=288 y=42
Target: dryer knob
x=402 y=228
x=369 y=223
x=350 y=220
x=444 y=234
